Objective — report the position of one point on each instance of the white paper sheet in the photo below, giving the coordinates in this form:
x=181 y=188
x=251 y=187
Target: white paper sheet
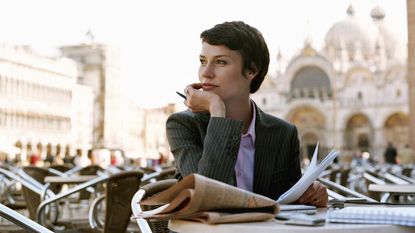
x=310 y=175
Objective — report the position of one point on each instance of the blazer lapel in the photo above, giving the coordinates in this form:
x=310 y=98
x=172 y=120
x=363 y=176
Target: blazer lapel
x=266 y=148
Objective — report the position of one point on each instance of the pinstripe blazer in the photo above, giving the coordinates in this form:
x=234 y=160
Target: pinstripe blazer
x=209 y=146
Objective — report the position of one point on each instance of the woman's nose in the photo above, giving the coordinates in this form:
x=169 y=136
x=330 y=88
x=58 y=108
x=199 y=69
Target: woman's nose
x=207 y=71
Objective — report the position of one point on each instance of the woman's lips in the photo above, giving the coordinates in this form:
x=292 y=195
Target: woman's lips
x=208 y=86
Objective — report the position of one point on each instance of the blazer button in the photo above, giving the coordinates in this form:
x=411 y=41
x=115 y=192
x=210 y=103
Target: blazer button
x=234 y=143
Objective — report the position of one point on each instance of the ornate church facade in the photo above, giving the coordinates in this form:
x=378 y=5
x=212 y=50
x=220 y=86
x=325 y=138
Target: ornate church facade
x=352 y=95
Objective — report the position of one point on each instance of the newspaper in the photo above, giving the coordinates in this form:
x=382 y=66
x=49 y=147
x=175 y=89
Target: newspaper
x=203 y=199
x=312 y=173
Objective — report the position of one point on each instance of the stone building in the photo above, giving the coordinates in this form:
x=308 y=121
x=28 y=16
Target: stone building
x=118 y=122
x=38 y=109
x=350 y=95
x=98 y=68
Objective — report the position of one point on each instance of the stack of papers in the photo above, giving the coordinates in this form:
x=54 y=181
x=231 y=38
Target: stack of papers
x=312 y=173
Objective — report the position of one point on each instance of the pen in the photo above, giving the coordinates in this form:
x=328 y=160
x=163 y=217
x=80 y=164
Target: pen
x=184 y=97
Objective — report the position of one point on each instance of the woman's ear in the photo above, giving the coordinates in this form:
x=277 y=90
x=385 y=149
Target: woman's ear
x=252 y=72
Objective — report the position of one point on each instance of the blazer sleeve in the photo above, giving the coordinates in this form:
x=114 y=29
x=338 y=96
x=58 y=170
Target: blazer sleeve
x=213 y=155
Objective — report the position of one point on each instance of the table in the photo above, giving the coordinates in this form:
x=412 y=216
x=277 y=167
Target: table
x=183 y=226
x=393 y=188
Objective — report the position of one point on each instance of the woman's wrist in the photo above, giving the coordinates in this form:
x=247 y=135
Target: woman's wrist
x=217 y=107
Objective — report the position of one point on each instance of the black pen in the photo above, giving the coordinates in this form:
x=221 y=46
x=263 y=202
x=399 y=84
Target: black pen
x=183 y=96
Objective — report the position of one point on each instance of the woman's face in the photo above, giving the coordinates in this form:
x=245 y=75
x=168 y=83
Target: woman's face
x=220 y=72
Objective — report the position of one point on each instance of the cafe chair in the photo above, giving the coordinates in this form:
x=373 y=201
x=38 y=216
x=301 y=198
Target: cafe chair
x=120 y=189
x=10 y=192
x=87 y=171
x=23 y=223
x=166 y=173
x=36 y=176
x=61 y=167
x=369 y=179
x=343 y=191
x=407 y=170
x=148 y=190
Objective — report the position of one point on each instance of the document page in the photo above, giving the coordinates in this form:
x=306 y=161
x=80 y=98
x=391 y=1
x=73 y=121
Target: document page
x=310 y=175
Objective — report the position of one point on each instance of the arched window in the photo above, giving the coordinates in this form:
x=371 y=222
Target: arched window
x=311 y=81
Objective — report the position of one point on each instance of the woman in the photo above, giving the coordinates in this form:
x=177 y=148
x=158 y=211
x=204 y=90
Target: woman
x=224 y=135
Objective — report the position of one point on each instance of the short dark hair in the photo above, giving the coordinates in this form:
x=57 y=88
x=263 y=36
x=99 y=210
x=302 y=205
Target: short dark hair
x=248 y=41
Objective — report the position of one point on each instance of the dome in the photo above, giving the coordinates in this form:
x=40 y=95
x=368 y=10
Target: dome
x=351 y=34
x=377 y=13
x=386 y=37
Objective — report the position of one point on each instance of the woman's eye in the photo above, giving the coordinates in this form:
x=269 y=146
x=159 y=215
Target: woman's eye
x=221 y=62
x=202 y=61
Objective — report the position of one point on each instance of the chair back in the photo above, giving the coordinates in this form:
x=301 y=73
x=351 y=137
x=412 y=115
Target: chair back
x=407 y=171
x=32 y=199
x=87 y=171
x=167 y=173
x=61 y=167
x=90 y=170
x=333 y=174
x=371 y=179
x=25 y=224
x=343 y=191
x=344 y=176
x=119 y=193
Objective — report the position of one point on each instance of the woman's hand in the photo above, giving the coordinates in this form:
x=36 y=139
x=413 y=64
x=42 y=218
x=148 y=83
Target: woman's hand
x=203 y=101
x=315 y=195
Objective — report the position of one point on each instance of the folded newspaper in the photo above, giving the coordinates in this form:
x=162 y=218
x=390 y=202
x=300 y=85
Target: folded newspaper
x=312 y=173
x=202 y=199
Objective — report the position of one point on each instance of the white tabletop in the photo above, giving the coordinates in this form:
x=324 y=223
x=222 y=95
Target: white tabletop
x=393 y=188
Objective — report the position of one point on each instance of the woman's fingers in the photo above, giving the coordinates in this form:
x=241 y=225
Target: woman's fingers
x=315 y=195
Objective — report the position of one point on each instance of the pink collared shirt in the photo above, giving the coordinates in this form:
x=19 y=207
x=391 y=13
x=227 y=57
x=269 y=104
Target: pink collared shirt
x=244 y=168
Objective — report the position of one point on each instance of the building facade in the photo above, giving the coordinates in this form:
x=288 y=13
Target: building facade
x=117 y=120
x=37 y=102
x=154 y=132
x=351 y=95
x=98 y=68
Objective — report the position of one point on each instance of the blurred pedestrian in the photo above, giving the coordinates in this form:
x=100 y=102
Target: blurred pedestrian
x=390 y=153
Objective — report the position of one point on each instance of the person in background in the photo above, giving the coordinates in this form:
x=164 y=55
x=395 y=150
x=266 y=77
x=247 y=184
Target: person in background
x=113 y=159
x=49 y=158
x=91 y=157
x=390 y=154
x=67 y=159
x=223 y=134
x=34 y=158
x=77 y=159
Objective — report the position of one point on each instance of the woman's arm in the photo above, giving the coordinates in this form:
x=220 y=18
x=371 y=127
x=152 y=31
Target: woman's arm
x=214 y=154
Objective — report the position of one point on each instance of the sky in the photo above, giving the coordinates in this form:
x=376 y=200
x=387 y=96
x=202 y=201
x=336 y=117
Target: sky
x=159 y=40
